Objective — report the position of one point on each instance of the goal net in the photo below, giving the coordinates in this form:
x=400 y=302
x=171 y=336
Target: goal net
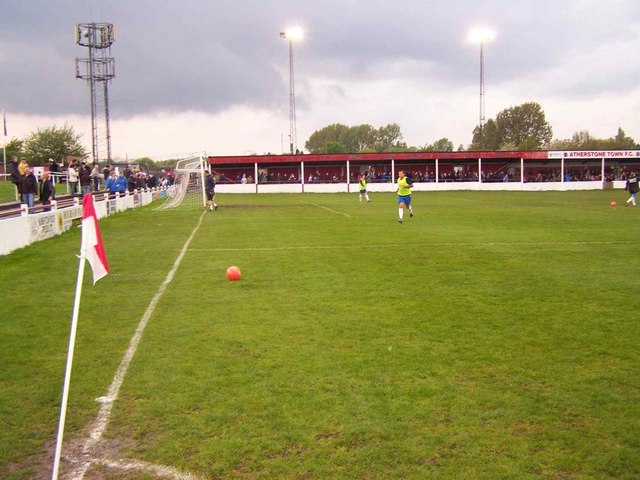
x=188 y=189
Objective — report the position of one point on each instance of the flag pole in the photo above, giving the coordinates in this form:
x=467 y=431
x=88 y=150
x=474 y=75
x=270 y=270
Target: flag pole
x=67 y=376
x=4 y=146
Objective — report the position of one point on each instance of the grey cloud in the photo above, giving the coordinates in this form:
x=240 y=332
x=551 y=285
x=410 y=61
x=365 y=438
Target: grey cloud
x=206 y=56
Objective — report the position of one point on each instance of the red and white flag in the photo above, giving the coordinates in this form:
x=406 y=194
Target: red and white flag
x=92 y=240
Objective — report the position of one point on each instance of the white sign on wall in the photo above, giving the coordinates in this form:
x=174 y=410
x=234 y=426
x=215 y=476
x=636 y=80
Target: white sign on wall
x=629 y=154
x=42 y=226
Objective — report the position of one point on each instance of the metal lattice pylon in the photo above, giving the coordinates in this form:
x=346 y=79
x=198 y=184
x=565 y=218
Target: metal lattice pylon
x=98 y=69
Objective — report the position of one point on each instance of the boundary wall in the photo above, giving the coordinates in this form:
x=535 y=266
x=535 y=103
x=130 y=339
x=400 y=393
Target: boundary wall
x=18 y=232
x=418 y=187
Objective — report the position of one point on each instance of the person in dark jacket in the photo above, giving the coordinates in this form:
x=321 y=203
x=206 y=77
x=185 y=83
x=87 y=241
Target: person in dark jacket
x=29 y=188
x=210 y=190
x=54 y=168
x=632 y=187
x=85 y=179
x=14 y=173
x=47 y=191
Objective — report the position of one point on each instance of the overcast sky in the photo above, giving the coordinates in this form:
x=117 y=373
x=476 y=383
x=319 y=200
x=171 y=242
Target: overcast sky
x=202 y=75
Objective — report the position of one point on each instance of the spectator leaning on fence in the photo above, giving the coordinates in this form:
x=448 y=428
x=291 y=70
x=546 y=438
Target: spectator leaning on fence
x=95 y=177
x=110 y=184
x=53 y=169
x=72 y=176
x=85 y=178
x=121 y=183
x=47 y=191
x=14 y=173
x=29 y=188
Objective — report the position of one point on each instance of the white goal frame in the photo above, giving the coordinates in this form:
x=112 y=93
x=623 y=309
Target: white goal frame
x=186 y=169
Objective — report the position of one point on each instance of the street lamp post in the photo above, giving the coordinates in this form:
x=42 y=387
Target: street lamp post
x=481 y=35
x=292 y=34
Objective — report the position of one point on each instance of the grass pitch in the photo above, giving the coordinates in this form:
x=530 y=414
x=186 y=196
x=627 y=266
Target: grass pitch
x=493 y=335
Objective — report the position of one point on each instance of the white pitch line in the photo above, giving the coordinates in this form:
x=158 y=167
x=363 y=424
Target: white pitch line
x=407 y=245
x=107 y=401
x=158 y=470
x=330 y=210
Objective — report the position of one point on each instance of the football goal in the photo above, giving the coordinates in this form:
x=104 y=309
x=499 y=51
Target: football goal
x=188 y=189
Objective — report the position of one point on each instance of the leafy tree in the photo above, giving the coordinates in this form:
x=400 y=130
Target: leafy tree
x=442 y=145
x=388 y=137
x=360 y=138
x=336 y=132
x=488 y=138
x=523 y=127
x=583 y=140
x=333 y=147
x=14 y=148
x=53 y=142
x=622 y=142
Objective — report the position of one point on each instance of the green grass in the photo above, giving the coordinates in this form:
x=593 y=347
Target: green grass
x=7 y=191
x=493 y=336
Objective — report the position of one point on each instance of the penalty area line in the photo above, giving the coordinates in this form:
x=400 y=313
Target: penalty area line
x=331 y=210
x=106 y=402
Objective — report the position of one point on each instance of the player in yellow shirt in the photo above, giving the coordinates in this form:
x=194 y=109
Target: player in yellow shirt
x=404 y=195
x=363 y=188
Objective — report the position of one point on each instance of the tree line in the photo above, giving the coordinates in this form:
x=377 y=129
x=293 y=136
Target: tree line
x=523 y=127
x=60 y=143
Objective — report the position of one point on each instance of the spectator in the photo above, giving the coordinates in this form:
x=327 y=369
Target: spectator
x=152 y=181
x=95 y=176
x=131 y=181
x=85 y=178
x=54 y=168
x=121 y=183
x=22 y=166
x=29 y=188
x=141 y=181
x=47 y=191
x=110 y=184
x=14 y=173
x=72 y=178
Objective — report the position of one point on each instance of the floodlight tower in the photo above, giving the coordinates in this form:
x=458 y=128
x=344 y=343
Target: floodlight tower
x=98 y=70
x=481 y=35
x=292 y=34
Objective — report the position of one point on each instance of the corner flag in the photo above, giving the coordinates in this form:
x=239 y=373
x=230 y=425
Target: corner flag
x=92 y=249
x=92 y=245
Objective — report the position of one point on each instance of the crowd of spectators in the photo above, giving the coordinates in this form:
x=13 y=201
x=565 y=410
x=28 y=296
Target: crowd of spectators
x=81 y=177
x=504 y=174
x=130 y=179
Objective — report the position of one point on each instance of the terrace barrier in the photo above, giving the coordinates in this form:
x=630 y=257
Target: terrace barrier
x=26 y=228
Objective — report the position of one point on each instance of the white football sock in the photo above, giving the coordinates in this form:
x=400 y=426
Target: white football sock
x=400 y=212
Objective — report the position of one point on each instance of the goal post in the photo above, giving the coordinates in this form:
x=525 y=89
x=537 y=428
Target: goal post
x=188 y=191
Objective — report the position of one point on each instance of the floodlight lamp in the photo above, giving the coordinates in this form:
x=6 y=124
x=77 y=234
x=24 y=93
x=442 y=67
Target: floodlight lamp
x=294 y=33
x=479 y=35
